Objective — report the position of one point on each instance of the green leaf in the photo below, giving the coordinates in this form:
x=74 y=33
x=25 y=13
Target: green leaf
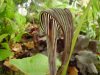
x=35 y=65
x=1 y=3
x=20 y=1
x=5 y=45
x=12 y=36
x=20 y=19
x=2 y=7
x=3 y=36
x=10 y=9
x=18 y=37
x=4 y=54
x=10 y=26
x=96 y=5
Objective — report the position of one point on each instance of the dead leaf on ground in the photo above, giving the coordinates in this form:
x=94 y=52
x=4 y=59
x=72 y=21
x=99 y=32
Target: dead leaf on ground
x=72 y=70
x=16 y=47
x=10 y=66
x=29 y=44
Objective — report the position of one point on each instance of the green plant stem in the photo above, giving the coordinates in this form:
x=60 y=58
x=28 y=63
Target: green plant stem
x=76 y=33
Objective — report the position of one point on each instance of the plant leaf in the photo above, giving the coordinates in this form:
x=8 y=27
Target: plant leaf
x=1 y=3
x=20 y=19
x=18 y=37
x=35 y=65
x=4 y=54
x=10 y=9
x=5 y=45
x=2 y=7
x=3 y=36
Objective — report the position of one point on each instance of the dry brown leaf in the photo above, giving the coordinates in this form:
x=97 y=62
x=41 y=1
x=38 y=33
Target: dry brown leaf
x=10 y=66
x=29 y=44
x=72 y=71
x=16 y=47
x=32 y=29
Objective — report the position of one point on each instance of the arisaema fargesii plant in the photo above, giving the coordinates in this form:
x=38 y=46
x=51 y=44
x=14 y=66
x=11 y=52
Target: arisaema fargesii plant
x=12 y=27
